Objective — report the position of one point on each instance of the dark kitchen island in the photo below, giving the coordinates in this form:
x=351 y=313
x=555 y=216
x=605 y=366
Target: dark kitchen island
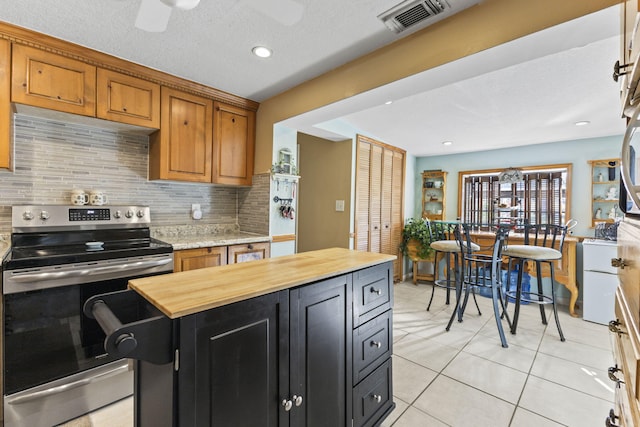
x=299 y=340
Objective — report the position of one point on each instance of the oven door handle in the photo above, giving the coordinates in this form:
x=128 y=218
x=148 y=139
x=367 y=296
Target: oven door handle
x=40 y=277
x=139 y=265
x=71 y=385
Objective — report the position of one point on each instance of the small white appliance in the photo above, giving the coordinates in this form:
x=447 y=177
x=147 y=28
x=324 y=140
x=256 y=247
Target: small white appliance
x=600 y=280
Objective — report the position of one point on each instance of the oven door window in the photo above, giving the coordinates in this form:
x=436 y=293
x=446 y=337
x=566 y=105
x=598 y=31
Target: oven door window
x=48 y=337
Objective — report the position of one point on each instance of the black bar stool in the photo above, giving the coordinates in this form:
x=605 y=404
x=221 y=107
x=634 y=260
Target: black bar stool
x=542 y=244
x=445 y=243
x=481 y=270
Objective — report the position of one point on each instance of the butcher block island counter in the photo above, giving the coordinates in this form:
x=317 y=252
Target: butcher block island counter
x=298 y=340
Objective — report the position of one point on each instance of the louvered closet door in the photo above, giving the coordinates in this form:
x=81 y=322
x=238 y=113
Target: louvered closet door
x=386 y=202
x=397 y=209
x=362 y=196
x=375 y=199
x=379 y=199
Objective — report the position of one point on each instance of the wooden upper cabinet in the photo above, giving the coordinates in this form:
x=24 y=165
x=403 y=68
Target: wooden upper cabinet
x=47 y=80
x=234 y=139
x=182 y=149
x=127 y=99
x=5 y=105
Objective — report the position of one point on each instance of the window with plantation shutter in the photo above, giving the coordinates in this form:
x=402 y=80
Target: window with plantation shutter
x=540 y=198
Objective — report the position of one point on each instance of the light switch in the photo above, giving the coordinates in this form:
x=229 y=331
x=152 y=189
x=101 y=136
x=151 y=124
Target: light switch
x=339 y=205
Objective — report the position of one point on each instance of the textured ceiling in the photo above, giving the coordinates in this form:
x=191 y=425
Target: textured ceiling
x=528 y=91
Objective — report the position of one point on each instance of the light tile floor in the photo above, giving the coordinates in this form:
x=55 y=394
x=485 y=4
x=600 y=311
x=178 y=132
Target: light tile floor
x=465 y=378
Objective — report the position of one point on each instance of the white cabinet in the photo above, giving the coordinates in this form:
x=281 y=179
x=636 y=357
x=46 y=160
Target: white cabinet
x=600 y=281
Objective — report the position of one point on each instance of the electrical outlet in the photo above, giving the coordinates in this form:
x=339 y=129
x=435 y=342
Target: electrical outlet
x=196 y=213
x=339 y=205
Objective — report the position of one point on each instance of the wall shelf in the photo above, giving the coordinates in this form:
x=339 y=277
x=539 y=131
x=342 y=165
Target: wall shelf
x=605 y=186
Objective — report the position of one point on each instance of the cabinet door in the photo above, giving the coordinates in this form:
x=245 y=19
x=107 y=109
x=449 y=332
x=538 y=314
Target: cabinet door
x=240 y=355
x=181 y=150
x=397 y=211
x=127 y=99
x=191 y=259
x=363 y=181
x=234 y=140
x=375 y=199
x=249 y=252
x=321 y=368
x=47 y=80
x=5 y=105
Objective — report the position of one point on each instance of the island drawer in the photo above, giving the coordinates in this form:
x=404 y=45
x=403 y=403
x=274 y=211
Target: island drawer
x=372 y=292
x=373 y=397
x=372 y=344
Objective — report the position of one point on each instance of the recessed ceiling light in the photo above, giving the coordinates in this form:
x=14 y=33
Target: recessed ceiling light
x=582 y=123
x=261 y=51
x=447 y=142
x=388 y=102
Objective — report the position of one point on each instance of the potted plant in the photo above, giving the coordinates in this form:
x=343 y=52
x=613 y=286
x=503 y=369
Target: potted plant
x=416 y=240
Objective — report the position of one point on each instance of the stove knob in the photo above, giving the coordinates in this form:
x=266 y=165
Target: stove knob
x=27 y=216
x=44 y=215
x=129 y=213
x=140 y=214
x=117 y=214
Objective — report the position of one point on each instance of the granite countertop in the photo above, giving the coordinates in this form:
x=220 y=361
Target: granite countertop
x=208 y=240
x=205 y=236
x=189 y=292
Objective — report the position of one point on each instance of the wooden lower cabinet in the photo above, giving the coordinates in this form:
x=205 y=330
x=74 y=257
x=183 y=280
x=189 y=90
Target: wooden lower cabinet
x=626 y=343
x=278 y=360
x=248 y=252
x=191 y=259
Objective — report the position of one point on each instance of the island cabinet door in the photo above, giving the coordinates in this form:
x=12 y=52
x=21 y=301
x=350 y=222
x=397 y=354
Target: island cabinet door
x=321 y=371
x=234 y=364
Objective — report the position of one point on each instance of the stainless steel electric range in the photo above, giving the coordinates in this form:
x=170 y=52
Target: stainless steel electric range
x=54 y=364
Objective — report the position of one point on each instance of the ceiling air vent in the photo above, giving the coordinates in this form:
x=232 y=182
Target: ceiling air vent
x=411 y=12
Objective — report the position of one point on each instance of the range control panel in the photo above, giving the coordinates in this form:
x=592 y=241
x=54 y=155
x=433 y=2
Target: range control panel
x=60 y=216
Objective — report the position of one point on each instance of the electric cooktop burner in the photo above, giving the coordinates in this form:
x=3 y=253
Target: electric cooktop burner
x=113 y=232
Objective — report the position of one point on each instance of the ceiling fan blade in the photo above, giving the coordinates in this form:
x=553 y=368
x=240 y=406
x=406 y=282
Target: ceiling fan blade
x=153 y=16
x=286 y=12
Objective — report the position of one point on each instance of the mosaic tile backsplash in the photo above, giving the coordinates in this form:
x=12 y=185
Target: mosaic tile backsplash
x=52 y=158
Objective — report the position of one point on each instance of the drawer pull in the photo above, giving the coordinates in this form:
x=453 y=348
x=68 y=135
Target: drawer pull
x=376 y=397
x=376 y=291
x=608 y=422
x=613 y=327
x=287 y=405
x=618 y=262
x=612 y=375
x=297 y=400
x=376 y=344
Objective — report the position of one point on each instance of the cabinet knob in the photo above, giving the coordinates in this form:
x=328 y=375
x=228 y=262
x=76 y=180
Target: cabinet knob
x=611 y=419
x=613 y=327
x=376 y=344
x=612 y=375
x=287 y=405
x=250 y=246
x=376 y=398
x=297 y=400
x=618 y=262
x=376 y=291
